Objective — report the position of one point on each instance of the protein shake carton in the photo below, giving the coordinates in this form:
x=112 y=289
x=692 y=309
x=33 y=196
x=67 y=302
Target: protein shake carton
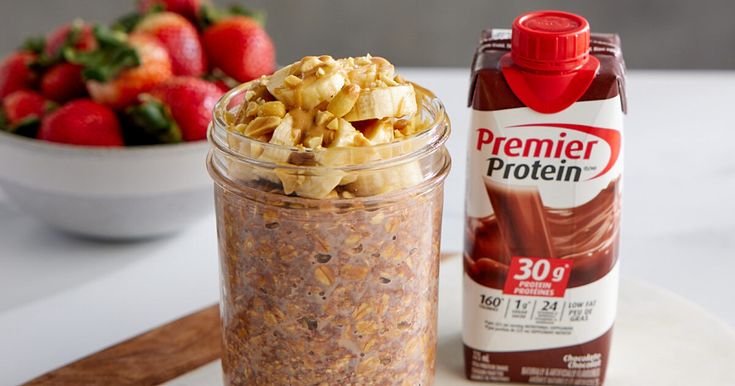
x=543 y=202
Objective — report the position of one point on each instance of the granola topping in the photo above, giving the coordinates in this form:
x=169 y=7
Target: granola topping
x=336 y=112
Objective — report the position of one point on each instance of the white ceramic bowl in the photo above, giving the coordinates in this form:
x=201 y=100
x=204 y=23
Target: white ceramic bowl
x=109 y=193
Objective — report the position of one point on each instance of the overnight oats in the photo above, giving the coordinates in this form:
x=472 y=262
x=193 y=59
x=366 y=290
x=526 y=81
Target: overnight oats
x=329 y=182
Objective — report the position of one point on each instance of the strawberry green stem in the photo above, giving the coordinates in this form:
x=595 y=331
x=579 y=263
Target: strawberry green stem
x=112 y=56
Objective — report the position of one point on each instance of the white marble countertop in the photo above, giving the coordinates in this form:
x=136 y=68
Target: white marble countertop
x=63 y=298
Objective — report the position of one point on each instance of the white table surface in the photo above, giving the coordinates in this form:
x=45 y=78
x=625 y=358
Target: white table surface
x=653 y=328
x=63 y=298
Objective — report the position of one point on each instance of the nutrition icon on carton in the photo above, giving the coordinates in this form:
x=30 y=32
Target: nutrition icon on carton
x=543 y=202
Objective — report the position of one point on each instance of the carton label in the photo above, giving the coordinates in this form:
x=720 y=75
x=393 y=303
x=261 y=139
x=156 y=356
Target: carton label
x=543 y=226
x=496 y=321
x=534 y=276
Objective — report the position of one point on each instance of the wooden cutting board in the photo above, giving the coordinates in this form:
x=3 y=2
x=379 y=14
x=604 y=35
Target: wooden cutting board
x=149 y=359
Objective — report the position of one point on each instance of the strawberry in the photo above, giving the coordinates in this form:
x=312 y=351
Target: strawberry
x=77 y=35
x=186 y=8
x=222 y=85
x=190 y=102
x=222 y=81
x=15 y=73
x=22 y=111
x=63 y=82
x=240 y=47
x=123 y=67
x=181 y=40
x=23 y=105
x=82 y=122
x=185 y=103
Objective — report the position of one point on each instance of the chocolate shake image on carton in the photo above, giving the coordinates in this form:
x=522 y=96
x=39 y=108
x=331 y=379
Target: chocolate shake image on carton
x=543 y=202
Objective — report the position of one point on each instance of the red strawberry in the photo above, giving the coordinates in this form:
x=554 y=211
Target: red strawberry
x=15 y=73
x=187 y=104
x=23 y=105
x=77 y=35
x=82 y=122
x=222 y=81
x=222 y=85
x=63 y=82
x=240 y=47
x=144 y=64
x=190 y=102
x=187 y=8
x=181 y=40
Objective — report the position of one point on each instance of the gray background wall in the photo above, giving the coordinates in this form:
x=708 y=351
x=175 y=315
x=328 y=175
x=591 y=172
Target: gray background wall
x=673 y=34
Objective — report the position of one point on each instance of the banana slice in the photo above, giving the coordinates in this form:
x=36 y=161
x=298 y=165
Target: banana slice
x=309 y=186
x=344 y=101
x=379 y=132
x=286 y=134
x=381 y=182
x=315 y=91
x=291 y=86
x=277 y=86
x=348 y=146
x=346 y=134
x=377 y=103
x=244 y=146
x=317 y=136
x=366 y=71
x=289 y=134
x=240 y=171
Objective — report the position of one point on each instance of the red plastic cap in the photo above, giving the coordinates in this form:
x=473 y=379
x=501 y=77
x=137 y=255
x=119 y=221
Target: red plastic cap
x=550 y=41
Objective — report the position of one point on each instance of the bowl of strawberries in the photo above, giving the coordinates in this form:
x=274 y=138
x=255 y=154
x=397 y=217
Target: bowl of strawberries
x=103 y=128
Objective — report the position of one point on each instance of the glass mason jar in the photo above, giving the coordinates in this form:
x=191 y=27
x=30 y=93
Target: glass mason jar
x=332 y=291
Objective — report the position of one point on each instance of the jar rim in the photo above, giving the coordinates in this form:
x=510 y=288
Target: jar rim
x=297 y=203
x=432 y=139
